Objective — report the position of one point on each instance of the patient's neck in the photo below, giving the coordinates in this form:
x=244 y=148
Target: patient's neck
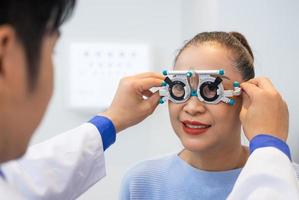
x=231 y=156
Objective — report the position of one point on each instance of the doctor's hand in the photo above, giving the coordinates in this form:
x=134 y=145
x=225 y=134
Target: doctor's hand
x=129 y=106
x=263 y=110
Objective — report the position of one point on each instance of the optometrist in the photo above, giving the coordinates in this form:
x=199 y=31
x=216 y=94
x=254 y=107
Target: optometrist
x=65 y=166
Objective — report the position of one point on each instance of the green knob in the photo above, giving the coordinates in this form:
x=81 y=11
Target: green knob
x=194 y=93
x=164 y=72
x=236 y=84
x=231 y=102
x=161 y=101
x=221 y=71
x=163 y=83
x=189 y=74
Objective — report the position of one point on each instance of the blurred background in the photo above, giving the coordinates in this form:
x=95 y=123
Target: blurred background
x=160 y=28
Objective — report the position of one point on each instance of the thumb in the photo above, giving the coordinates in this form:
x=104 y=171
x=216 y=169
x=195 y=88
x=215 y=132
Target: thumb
x=154 y=100
x=148 y=83
x=245 y=105
x=246 y=101
x=249 y=89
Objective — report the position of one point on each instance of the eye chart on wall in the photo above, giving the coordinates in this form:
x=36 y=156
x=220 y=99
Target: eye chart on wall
x=96 y=68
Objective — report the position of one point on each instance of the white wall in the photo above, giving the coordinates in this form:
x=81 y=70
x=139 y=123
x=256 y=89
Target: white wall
x=270 y=26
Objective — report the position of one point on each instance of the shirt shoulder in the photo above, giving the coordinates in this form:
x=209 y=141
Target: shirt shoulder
x=296 y=167
x=149 y=168
x=148 y=175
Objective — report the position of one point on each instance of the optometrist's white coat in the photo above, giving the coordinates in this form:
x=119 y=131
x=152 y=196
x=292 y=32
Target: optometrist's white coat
x=65 y=166
x=268 y=174
x=61 y=168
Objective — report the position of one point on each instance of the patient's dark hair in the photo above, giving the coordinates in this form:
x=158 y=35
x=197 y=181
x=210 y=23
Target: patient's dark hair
x=233 y=41
x=32 y=20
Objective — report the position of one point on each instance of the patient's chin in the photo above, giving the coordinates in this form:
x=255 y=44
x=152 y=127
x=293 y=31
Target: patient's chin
x=195 y=146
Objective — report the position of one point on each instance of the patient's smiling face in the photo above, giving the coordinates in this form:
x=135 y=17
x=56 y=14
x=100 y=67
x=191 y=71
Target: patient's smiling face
x=202 y=127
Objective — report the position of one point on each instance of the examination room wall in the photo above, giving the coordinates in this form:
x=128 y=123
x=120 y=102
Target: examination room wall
x=271 y=26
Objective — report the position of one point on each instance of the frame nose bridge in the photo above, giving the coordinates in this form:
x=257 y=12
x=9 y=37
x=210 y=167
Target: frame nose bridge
x=194 y=82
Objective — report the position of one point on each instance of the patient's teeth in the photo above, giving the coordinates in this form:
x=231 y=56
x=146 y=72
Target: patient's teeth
x=194 y=126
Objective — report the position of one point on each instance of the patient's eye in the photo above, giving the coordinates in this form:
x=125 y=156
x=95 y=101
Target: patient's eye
x=209 y=90
x=178 y=90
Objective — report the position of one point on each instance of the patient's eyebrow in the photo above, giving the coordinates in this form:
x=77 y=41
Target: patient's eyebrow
x=226 y=80
x=221 y=76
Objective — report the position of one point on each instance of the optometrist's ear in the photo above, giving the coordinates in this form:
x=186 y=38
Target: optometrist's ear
x=7 y=40
x=8 y=47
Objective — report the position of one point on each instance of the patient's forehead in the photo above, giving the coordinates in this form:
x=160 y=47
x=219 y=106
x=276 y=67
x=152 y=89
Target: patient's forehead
x=209 y=57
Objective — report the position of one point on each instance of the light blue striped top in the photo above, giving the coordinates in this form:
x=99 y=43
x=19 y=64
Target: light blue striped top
x=171 y=178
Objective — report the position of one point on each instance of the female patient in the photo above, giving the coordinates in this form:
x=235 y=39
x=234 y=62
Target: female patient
x=213 y=156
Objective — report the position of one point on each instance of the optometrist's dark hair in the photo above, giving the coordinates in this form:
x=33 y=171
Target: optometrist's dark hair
x=32 y=20
x=233 y=41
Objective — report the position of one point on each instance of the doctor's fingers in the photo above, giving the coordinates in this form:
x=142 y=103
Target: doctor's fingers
x=249 y=89
x=245 y=99
x=139 y=85
x=147 y=83
x=268 y=89
x=151 y=103
x=263 y=83
x=256 y=92
x=246 y=102
x=149 y=75
x=262 y=89
x=147 y=93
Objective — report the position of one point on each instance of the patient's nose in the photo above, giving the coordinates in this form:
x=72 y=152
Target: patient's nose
x=194 y=106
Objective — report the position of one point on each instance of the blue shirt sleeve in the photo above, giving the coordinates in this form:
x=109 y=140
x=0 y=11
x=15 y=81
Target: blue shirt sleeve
x=106 y=130
x=1 y=174
x=264 y=140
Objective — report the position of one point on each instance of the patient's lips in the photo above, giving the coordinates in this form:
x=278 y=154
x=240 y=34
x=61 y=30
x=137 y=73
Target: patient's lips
x=195 y=127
